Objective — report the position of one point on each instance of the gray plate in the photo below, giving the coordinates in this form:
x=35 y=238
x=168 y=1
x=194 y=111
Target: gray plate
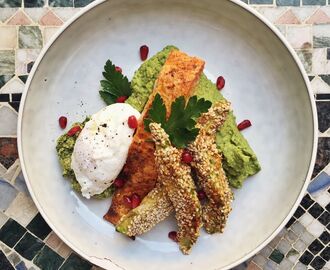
x=265 y=83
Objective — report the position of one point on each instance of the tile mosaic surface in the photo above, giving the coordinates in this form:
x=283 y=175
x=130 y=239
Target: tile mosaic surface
x=27 y=242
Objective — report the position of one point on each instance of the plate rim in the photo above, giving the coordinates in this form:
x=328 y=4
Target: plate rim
x=303 y=189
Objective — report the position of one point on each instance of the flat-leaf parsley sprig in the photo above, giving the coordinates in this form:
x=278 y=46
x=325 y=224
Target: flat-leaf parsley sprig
x=114 y=85
x=180 y=126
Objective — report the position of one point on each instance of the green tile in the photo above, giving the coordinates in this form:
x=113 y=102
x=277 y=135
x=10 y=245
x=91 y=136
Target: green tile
x=29 y=37
x=23 y=78
x=11 y=232
x=29 y=246
x=7 y=62
x=10 y=3
x=60 y=3
x=82 y=3
x=76 y=262
x=39 y=227
x=4 y=79
x=276 y=256
x=288 y=2
x=262 y=2
x=34 y=3
x=314 y=2
x=48 y=259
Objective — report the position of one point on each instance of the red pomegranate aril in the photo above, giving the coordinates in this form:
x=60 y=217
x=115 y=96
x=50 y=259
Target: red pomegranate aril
x=63 y=122
x=201 y=195
x=221 y=82
x=186 y=157
x=121 y=99
x=118 y=69
x=74 y=130
x=132 y=122
x=135 y=200
x=173 y=236
x=144 y=50
x=119 y=182
x=244 y=124
x=128 y=201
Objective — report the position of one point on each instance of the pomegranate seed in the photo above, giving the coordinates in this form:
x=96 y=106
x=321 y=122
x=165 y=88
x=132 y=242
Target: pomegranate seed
x=201 y=195
x=221 y=82
x=119 y=182
x=128 y=201
x=118 y=69
x=135 y=200
x=121 y=99
x=132 y=122
x=144 y=50
x=173 y=235
x=244 y=124
x=63 y=121
x=74 y=130
x=186 y=157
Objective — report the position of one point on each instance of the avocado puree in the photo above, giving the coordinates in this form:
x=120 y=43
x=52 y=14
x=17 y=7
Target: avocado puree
x=239 y=160
x=64 y=148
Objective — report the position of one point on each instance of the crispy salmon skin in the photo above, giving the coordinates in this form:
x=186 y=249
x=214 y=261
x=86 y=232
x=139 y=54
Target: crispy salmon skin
x=178 y=77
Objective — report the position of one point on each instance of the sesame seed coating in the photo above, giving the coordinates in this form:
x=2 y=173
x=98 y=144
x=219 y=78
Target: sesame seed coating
x=176 y=179
x=207 y=162
x=154 y=208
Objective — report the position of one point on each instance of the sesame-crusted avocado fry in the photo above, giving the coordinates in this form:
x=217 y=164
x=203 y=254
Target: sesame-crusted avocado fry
x=154 y=208
x=207 y=161
x=177 y=181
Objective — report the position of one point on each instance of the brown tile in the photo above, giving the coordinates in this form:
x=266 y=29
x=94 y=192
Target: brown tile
x=8 y=151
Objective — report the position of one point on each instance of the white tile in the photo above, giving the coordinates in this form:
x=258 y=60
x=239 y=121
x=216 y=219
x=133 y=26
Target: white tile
x=49 y=32
x=306 y=219
x=272 y=13
x=303 y=13
x=321 y=35
x=22 y=209
x=271 y=265
x=11 y=174
x=286 y=264
x=282 y=28
x=24 y=57
x=322 y=197
x=3 y=219
x=319 y=86
x=35 y=13
x=300 y=266
x=2 y=170
x=260 y=260
x=300 y=37
x=300 y=245
x=266 y=251
x=284 y=246
x=15 y=85
x=4 y=248
x=6 y=13
x=293 y=255
x=8 y=38
x=297 y=228
x=8 y=123
x=66 y=13
x=307 y=237
x=291 y=236
x=315 y=228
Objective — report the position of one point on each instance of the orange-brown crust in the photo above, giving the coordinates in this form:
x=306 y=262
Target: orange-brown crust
x=178 y=77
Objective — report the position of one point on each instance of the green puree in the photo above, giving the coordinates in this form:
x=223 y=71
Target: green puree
x=64 y=148
x=239 y=160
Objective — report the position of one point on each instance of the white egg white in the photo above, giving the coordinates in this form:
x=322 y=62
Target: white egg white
x=101 y=149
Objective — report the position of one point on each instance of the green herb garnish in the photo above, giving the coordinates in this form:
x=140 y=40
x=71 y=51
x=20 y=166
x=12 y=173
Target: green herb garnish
x=180 y=126
x=114 y=85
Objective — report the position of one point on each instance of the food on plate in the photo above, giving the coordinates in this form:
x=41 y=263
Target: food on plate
x=177 y=78
x=207 y=162
x=101 y=149
x=175 y=177
x=167 y=142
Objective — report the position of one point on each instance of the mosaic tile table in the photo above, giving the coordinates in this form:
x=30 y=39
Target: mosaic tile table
x=27 y=242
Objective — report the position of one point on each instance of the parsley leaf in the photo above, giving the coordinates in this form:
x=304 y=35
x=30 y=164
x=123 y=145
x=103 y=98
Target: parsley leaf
x=114 y=84
x=180 y=126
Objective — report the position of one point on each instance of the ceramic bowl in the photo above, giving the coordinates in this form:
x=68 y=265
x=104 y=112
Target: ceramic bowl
x=264 y=81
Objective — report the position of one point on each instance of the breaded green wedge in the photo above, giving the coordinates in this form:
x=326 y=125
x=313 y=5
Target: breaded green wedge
x=154 y=208
x=177 y=181
x=207 y=162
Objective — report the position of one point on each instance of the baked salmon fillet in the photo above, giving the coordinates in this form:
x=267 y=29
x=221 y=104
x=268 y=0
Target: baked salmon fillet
x=178 y=77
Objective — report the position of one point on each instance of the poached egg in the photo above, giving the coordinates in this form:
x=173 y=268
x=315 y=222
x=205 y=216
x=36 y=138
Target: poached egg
x=101 y=149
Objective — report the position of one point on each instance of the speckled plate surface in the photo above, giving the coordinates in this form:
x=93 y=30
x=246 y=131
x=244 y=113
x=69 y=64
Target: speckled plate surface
x=265 y=83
